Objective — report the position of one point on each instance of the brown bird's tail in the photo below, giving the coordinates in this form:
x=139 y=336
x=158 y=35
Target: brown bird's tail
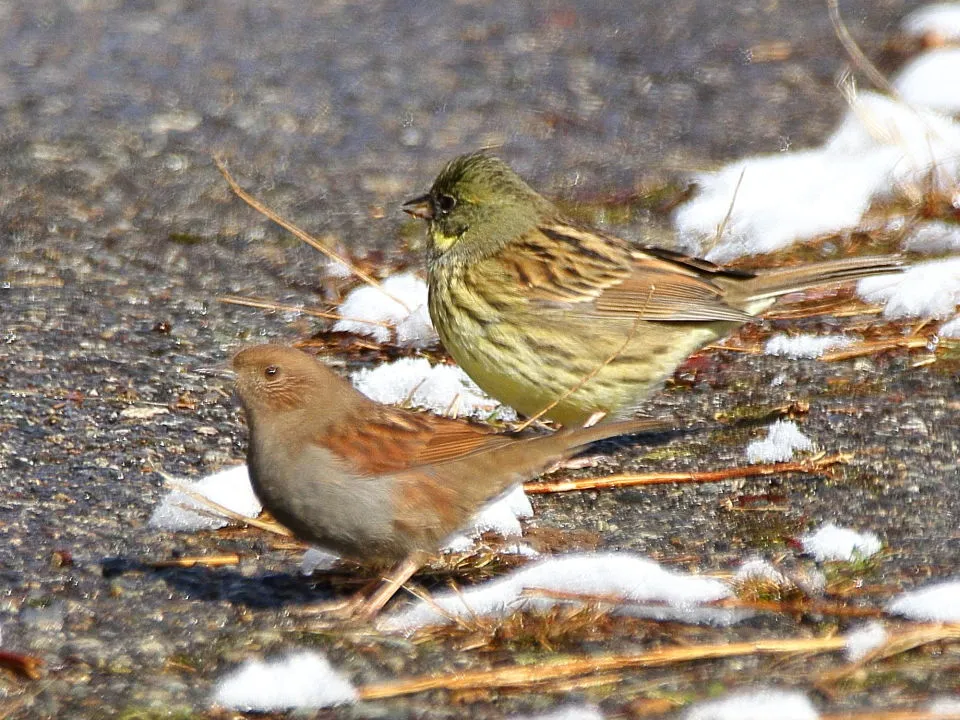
x=483 y=475
x=574 y=439
x=771 y=284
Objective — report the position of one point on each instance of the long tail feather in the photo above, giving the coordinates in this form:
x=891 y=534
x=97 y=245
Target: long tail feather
x=779 y=282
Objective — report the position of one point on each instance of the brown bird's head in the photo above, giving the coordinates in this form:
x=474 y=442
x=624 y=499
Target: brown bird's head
x=273 y=379
x=476 y=205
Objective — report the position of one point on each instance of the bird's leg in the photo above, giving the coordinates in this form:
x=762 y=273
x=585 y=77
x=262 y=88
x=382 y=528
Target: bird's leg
x=370 y=599
x=389 y=584
x=341 y=607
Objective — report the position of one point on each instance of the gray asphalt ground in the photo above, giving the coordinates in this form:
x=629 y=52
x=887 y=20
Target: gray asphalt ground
x=117 y=235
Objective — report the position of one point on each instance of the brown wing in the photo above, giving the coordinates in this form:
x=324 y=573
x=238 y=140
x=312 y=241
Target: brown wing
x=427 y=510
x=561 y=263
x=384 y=439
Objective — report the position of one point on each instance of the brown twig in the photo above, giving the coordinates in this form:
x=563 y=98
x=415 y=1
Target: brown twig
x=189 y=561
x=787 y=607
x=572 y=667
x=895 y=645
x=868 y=348
x=810 y=465
x=300 y=234
x=835 y=308
x=29 y=666
x=268 y=305
x=221 y=510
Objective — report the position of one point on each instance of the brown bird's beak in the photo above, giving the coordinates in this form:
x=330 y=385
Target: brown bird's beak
x=420 y=207
x=219 y=371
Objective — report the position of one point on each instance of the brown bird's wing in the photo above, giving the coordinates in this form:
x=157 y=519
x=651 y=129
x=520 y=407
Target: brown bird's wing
x=559 y=263
x=383 y=439
x=426 y=509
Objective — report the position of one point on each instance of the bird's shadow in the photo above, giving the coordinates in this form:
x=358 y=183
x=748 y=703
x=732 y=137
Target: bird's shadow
x=261 y=591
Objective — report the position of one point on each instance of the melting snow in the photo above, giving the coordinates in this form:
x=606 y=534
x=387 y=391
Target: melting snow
x=626 y=575
x=783 y=438
x=367 y=309
x=297 y=680
x=759 y=704
x=444 y=389
x=939 y=602
x=230 y=488
x=836 y=543
x=804 y=346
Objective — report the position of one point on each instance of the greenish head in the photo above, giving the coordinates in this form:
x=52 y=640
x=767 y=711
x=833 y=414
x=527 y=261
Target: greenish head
x=476 y=203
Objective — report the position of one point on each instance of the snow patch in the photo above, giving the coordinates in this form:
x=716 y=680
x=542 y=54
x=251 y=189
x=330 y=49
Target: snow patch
x=230 y=488
x=931 y=289
x=944 y=706
x=782 y=440
x=444 y=389
x=935 y=603
x=367 y=309
x=934 y=237
x=772 y=207
x=880 y=144
x=758 y=569
x=501 y=516
x=864 y=640
x=837 y=543
x=804 y=346
x=940 y=19
x=925 y=81
x=302 y=680
x=626 y=575
x=758 y=704
x=950 y=329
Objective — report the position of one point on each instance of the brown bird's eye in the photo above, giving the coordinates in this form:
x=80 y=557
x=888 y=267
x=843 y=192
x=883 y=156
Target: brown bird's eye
x=271 y=370
x=446 y=203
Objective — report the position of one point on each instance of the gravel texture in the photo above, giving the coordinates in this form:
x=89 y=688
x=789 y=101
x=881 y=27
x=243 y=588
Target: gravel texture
x=117 y=235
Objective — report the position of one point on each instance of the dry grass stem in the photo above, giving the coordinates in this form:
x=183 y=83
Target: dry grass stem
x=269 y=305
x=563 y=668
x=815 y=464
x=300 y=234
x=835 y=307
x=857 y=57
x=790 y=607
x=222 y=511
x=912 y=342
x=189 y=561
x=733 y=201
x=895 y=645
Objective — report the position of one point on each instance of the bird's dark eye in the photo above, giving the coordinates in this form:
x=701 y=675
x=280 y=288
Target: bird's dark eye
x=446 y=203
x=271 y=370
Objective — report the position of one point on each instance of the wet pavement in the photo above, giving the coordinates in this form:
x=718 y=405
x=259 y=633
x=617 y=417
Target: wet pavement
x=117 y=236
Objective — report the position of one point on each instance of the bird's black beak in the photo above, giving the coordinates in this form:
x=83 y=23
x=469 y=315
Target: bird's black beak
x=420 y=207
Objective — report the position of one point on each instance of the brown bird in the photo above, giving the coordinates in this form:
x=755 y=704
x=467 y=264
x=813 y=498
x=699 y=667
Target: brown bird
x=374 y=483
x=547 y=315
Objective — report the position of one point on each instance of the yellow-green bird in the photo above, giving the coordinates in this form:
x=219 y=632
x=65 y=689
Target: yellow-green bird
x=542 y=312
